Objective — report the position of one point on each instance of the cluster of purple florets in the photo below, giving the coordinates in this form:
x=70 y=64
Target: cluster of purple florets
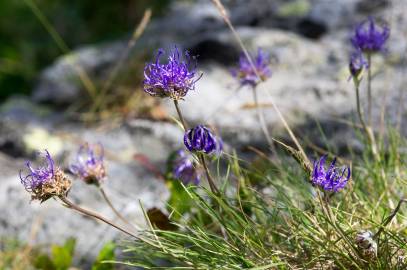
x=89 y=165
x=332 y=179
x=367 y=39
x=39 y=176
x=172 y=79
x=245 y=72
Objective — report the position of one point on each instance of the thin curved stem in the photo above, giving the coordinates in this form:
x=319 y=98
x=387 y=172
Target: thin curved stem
x=71 y=205
x=360 y=110
x=181 y=118
x=366 y=128
x=262 y=121
x=226 y=19
x=369 y=89
x=109 y=202
x=208 y=175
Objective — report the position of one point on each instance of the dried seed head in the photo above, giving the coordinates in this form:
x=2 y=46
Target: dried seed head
x=366 y=244
x=46 y=181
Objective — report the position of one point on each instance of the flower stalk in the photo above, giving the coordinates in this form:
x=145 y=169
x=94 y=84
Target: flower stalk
x=71 y=205
x=369 y=89
x=262 y=121
x=181 y=118
x=212 y=185
x=367 y=129
x=226 y=19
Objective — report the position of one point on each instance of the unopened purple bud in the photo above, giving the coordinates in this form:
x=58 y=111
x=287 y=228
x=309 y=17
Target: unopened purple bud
x=369 y=37
x=200 y=139
x=185 y=169
x=89 y=165
x=245 y=73
x=357 y=63
x=173 y=79
x=331 y=179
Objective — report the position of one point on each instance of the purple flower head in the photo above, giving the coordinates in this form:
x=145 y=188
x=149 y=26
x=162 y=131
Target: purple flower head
x=89 y=164
x=46 y=181
x=173 y=79
x=185 y=170
x=333 y=179
x=357 y=63
x=245 y=72
x=369 y=37
x=37 y=177
x=200 y=139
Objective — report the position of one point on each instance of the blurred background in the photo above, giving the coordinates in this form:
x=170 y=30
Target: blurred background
x=71 y=72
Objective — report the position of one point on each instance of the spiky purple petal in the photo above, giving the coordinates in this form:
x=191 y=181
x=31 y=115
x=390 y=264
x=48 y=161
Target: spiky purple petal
x=173 y=79
x=89 y=164
x=332 y=179
x=37 y=177
x=369 y=37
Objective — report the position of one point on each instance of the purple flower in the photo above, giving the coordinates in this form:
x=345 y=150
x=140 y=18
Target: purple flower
x=369 y=37
x=331 y=179
x=184 y=168
x=37 y=177
x=245 y=72
x=173 y=79
x=357 y=63
x=89 y=164
x=46 y=181
x=200 y=139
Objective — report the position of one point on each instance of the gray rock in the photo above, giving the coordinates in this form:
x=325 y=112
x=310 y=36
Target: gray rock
x=185 y=24
x=61 y=83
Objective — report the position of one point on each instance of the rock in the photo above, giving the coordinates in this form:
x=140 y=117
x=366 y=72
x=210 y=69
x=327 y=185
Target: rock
x=185 y=24
x=61 y=83
x=369 y=6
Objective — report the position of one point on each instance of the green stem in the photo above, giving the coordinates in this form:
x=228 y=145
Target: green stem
x=94 y=215
x=208 y=175
x=368 y=129
x=181 y=118
x=369 y=89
